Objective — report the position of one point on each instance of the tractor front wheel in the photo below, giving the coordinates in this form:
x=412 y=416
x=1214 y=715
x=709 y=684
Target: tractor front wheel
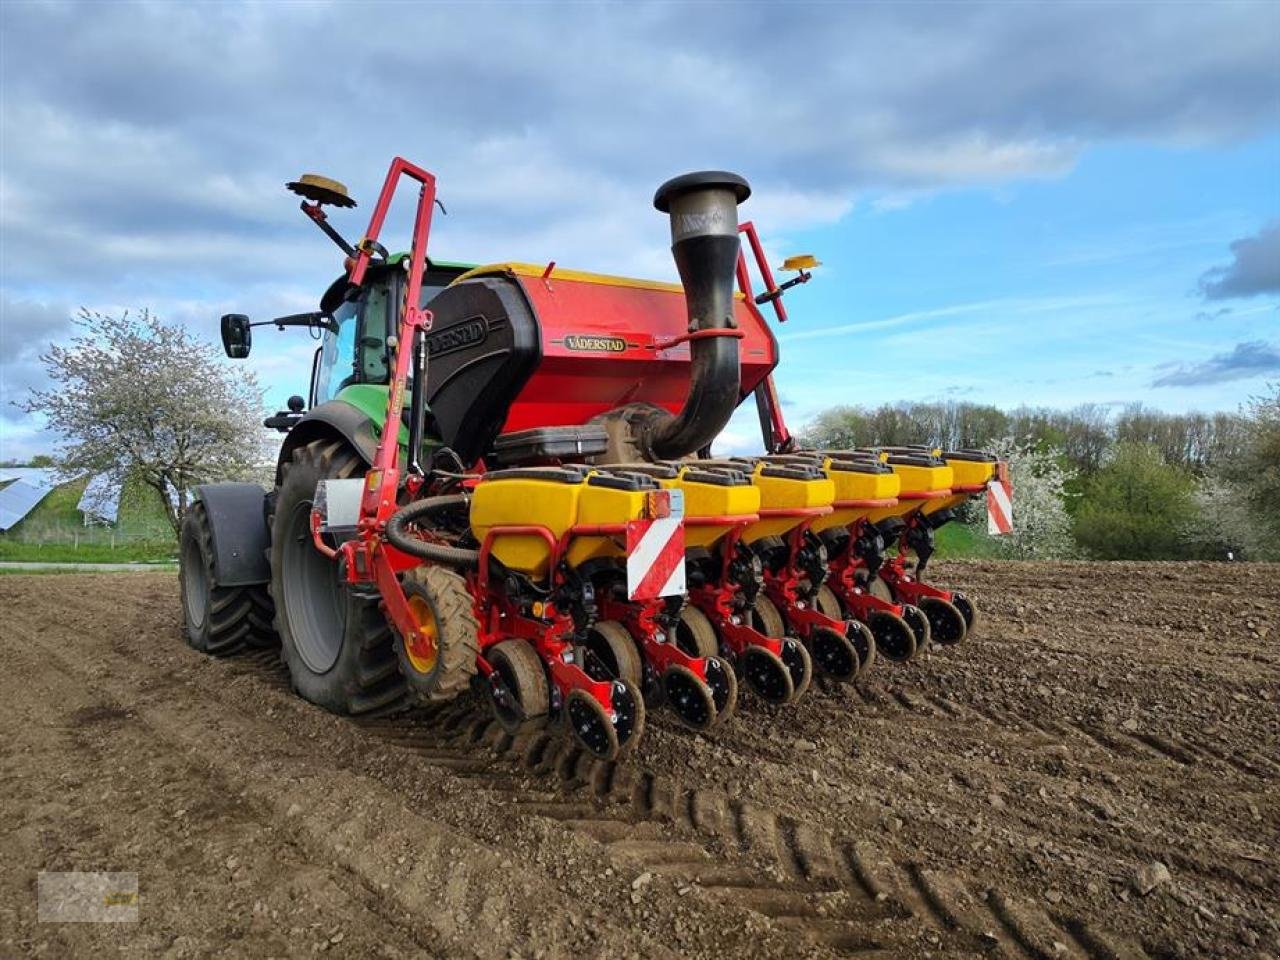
x=335 y=639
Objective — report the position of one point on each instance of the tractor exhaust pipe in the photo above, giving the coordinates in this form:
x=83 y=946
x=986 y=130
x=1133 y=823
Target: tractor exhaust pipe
x=704 y=241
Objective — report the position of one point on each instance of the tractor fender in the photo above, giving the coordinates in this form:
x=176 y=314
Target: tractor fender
x=241 y=541
x=336 y=420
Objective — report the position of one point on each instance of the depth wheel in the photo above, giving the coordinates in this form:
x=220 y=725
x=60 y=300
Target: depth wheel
x=520 y=697
x=946 y=622
x=439 y=660
x=967 y=610
x=767 y=618
x=918 y=621
x=766 y=675
x=220 y=621
x=834 y=654
x=894 y=637
x=799 y=665
x=695 y=636
x=688 y=697
x=724 y=688
x=629 y=715
x=613 y=654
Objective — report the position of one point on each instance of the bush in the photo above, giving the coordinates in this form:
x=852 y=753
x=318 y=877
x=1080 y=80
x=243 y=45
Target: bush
x=1137 y=507
x=1041 y=523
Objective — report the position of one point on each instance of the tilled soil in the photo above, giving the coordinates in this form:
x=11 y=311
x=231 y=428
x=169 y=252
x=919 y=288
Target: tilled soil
x=1011 y=796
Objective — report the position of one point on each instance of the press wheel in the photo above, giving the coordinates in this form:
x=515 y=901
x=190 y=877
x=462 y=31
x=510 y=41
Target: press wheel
x=834 y=654
x=946 y=622
x=967 y=610
x=521 y=697
x=919 y=624
x=766 y=675
x=895 y=639
x=688 y=697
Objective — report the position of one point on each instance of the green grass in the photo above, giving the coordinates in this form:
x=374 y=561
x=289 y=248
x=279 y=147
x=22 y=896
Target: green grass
x=65 y=571
x=960 y=541
x=55 y=532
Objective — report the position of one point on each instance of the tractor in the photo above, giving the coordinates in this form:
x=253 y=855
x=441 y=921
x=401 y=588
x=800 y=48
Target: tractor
x=501 y=480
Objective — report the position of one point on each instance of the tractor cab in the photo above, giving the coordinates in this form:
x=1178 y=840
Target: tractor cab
x=354 y=345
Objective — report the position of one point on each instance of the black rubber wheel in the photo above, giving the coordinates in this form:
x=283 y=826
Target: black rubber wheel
x=766 y=675
x=695 y=636
x=895 y=639
x=799 y=665
x=967 y=610
x=918 y=621
x=590 y=725
x=629 y=715
x=335 y=641
x=219 y=621
x=767 y=619
x=439 y=663
x=859 y=634
x=613 y=654
x=724 y=688
x=833 y=654
x=523 y=698
x=691 y=700
x=946 y=623
x=864 y=641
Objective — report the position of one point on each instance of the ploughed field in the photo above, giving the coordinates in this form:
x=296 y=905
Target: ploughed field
x=1095 y=773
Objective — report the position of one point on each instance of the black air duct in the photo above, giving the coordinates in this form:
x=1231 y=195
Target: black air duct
x=704 y=241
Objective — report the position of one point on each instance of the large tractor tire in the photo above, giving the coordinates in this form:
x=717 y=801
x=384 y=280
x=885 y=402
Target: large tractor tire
x=441 y=660
x=219 y=621
x=334 y=638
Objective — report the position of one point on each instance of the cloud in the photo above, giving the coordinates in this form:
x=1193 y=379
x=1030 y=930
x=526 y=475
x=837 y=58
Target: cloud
x=145 y=146
x=26 y=328
x=1254 y=268
x=1255 y=358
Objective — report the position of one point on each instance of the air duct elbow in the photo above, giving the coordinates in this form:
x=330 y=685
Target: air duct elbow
x=703 y=208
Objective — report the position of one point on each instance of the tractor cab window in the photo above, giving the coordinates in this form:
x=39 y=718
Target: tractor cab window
x=337 y=368
x=354 y=349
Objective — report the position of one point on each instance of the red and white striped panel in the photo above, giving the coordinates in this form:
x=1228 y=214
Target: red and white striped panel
x=1000 y=502
x=655 y=549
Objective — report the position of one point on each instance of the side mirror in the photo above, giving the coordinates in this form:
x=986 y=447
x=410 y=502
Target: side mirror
x=236 y=335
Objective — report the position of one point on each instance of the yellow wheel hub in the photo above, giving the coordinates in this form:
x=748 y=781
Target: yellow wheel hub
x=423 y=648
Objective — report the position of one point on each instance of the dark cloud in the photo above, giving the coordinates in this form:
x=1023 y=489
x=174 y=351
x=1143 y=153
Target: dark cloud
x=1254 y=358
x=160 y=133
x=1254 y=268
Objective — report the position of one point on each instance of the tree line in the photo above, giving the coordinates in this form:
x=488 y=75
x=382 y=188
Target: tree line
x=1133 y=483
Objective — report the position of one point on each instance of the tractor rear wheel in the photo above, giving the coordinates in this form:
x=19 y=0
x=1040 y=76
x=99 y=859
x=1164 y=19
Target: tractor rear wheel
x=335 y=639
x=440 y=661
x=219 y=621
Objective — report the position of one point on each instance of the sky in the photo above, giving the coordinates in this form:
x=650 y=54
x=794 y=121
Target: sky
x=1013 y=203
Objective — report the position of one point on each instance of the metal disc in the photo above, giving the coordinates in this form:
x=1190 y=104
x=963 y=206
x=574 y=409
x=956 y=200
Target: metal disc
x=724 y=687
x=767 y=675
x=864 y=641
x=946 y=623
x=834 y=654
x=799 y=665
x=919 y=624
x=689 y=697
x=590 y=725
x=894 y=636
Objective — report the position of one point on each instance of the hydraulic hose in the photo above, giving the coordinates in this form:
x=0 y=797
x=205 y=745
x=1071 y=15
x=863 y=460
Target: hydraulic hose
x=399 y=536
